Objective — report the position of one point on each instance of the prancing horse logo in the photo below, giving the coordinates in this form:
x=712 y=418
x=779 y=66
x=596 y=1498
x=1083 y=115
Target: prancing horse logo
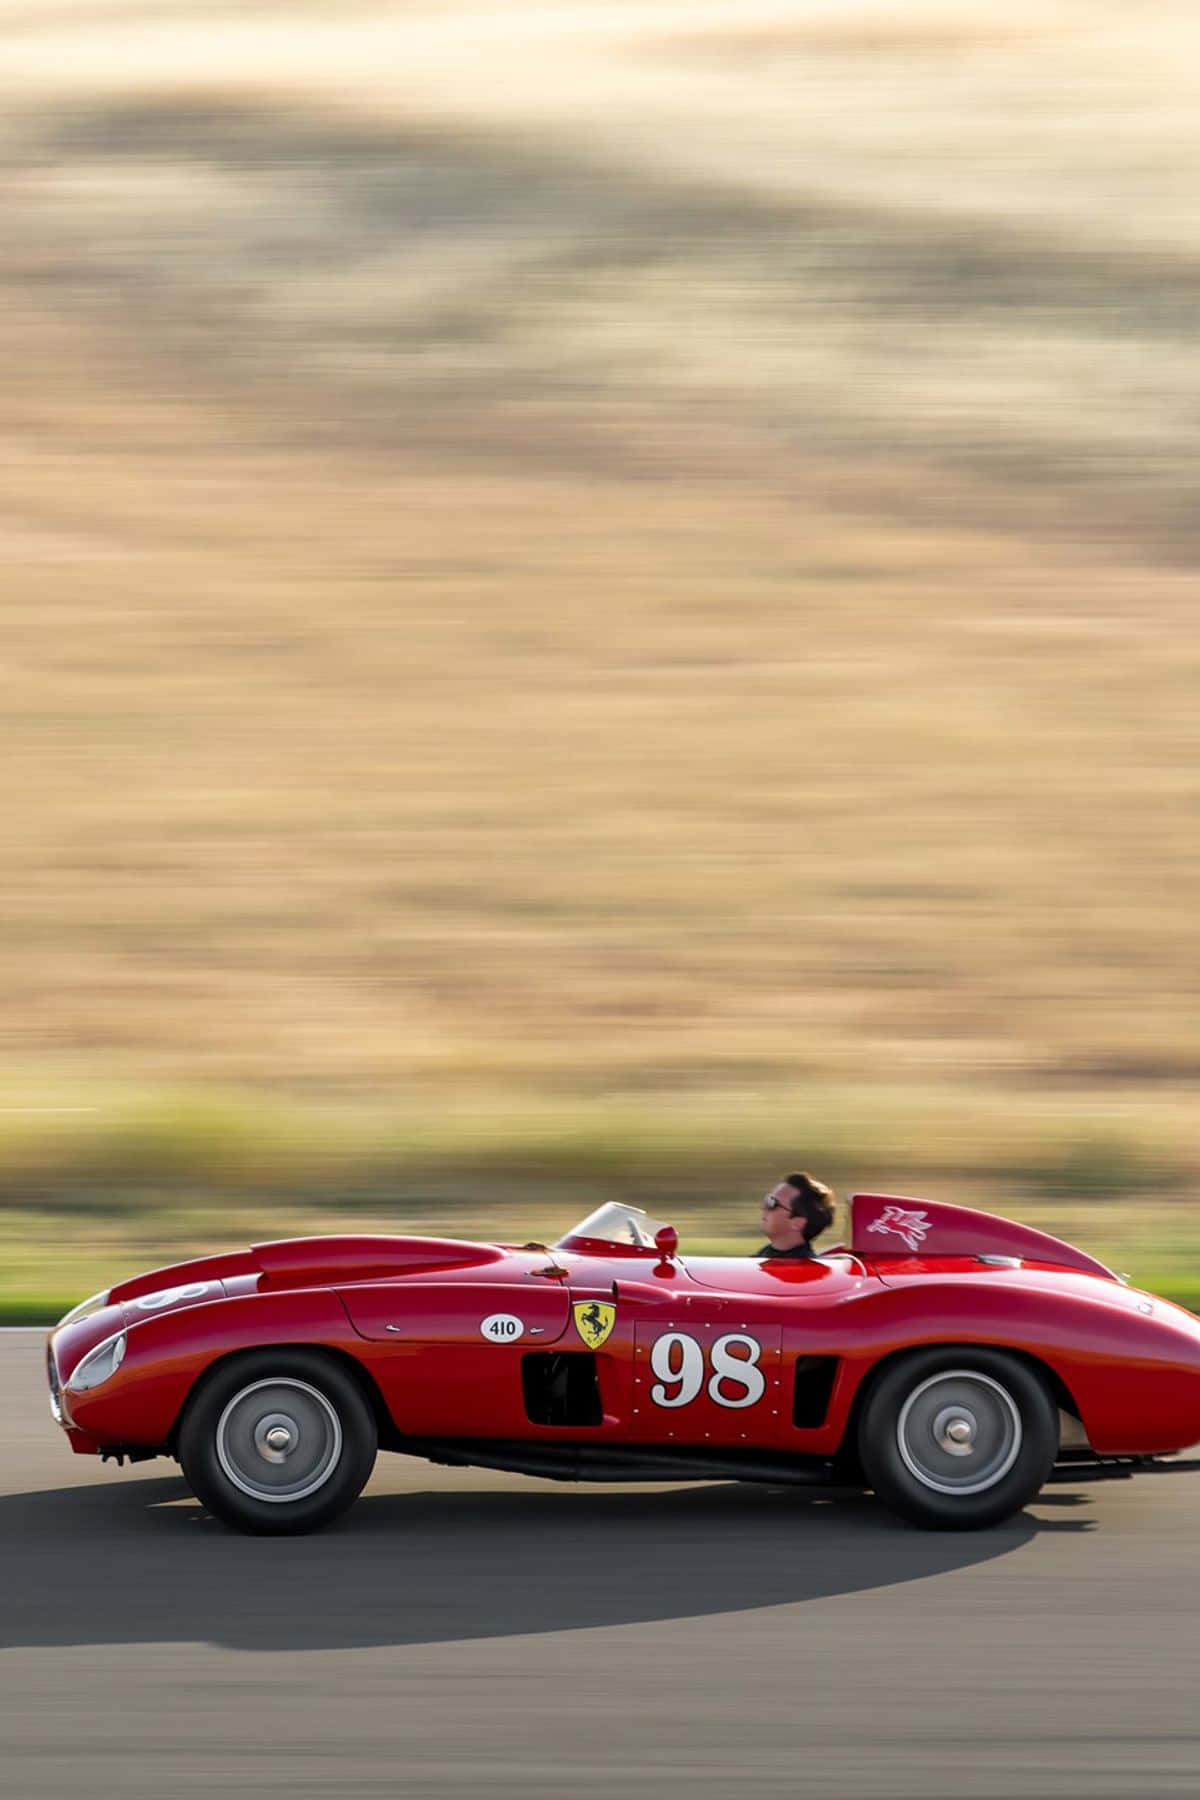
x=911 y=1227
x=594 y=1320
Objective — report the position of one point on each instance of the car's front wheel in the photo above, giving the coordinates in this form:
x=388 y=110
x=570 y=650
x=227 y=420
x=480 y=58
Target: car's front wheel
x=277 y=1441
x=955 y=1439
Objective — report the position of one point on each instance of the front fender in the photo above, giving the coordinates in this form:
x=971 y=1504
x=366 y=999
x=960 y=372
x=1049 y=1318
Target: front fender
x=166 y=1355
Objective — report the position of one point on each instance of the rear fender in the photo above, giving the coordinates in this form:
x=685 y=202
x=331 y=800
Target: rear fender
x=1131 y=1376
x=1062 y=1394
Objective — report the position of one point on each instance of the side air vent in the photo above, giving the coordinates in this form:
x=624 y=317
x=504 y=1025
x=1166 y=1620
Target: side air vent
x=561 y=1388
x=814 y=1384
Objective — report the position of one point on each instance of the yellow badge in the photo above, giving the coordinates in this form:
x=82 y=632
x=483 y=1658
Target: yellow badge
x=594 y=1320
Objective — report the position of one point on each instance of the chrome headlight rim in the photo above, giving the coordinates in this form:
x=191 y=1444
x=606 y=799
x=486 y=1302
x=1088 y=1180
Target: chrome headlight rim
x=99 y=1365
x=56 y=1411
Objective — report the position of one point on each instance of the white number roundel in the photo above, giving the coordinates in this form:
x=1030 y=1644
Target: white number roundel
x=502 y=1328
x=192 y=1290
x=678 y=1361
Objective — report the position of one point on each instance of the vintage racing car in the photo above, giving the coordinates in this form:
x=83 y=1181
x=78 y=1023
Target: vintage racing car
x=950 y=1360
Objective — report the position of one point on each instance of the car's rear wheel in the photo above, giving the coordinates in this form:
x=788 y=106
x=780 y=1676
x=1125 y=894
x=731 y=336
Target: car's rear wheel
x=278 y=1441
x=955 y=1439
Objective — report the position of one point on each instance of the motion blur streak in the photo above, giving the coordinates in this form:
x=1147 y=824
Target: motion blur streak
x=594 y=595
x=598 y=601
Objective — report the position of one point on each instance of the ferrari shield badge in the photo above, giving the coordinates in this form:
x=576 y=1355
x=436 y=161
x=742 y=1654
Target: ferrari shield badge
x=594 y=1320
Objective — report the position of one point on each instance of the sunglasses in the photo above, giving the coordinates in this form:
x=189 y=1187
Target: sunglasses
x=772 y=1201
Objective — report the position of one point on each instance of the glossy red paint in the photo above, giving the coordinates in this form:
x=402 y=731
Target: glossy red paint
x=686 y=1352
x=301 y=1262
x=891 y=1224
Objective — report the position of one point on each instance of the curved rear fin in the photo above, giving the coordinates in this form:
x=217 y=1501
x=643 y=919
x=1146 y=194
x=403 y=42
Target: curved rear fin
x=887 y=1225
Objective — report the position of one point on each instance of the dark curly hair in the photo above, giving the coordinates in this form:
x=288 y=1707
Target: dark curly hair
x=814 y=1203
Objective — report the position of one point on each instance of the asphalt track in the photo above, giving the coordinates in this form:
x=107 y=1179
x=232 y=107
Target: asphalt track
x=475 y=1634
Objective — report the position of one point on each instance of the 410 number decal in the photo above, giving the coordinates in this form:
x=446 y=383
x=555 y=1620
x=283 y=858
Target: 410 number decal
x=735 y=1379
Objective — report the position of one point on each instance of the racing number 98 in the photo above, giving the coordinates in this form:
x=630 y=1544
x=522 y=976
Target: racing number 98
x=678 y=1361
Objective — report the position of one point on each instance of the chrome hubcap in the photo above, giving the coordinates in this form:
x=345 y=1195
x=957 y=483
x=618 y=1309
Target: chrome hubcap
x=955 y=1430
x=275 y=1437
x=959 y=1432
x=279 y=1440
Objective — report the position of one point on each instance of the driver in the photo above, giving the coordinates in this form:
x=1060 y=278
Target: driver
x=794 y=1213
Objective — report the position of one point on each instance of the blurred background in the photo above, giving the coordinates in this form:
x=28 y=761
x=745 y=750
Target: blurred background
x=598 y=601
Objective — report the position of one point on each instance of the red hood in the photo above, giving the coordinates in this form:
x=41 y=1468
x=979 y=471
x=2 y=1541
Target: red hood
x=320 y=1261
x=183 y=1283
x=294 y=1263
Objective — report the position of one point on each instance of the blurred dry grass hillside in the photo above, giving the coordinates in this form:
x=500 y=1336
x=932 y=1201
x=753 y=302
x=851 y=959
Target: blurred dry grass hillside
x=596 y=595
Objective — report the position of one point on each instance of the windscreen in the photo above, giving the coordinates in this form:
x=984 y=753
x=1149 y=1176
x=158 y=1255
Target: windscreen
x=616 y=1223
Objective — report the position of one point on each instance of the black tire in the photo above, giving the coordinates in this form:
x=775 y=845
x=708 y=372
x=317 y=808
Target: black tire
x=277 y=1441
x=956 y=1439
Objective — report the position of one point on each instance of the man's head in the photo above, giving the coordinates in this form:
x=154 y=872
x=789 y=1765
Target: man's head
x=795 y=1210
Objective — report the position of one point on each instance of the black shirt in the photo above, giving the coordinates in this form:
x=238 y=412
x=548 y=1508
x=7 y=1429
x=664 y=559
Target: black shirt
x=798 y=1250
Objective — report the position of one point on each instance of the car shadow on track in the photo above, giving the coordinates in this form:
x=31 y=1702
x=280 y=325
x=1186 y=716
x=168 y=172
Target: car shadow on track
x=141 y=1562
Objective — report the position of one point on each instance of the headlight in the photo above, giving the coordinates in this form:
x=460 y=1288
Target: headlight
x=83 y=1309
x=98 y=1364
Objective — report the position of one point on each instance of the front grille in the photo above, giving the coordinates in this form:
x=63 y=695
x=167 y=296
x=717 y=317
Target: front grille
x=55 y=1389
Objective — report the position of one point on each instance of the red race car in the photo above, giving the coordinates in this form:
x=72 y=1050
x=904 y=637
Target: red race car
x=949 y=1360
